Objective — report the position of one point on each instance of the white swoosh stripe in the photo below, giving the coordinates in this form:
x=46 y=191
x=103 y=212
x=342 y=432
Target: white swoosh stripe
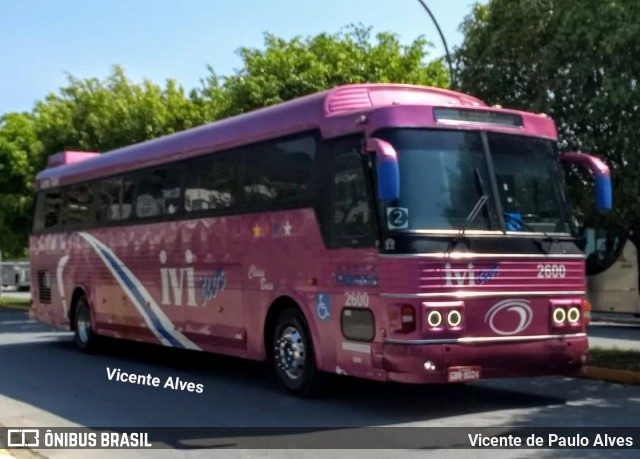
x=164 y=325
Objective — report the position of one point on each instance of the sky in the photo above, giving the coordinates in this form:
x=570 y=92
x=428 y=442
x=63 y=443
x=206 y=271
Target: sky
x=41 y=41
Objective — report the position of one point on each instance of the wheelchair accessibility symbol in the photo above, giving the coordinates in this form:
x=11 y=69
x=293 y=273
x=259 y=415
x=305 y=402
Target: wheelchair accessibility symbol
x=323 y=306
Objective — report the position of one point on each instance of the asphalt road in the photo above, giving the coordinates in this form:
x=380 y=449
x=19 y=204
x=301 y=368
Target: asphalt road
x=45 y=381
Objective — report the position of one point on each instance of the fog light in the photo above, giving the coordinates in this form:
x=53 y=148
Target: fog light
x=573 y=315
x=559 y=315
x=454 y=318
x=429 y=366
x=434 y=319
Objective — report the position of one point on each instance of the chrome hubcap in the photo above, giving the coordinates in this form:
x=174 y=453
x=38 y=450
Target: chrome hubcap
x=83 y=325
x=290 y=352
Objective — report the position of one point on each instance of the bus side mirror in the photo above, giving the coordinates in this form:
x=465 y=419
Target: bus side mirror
x=600 y=173
x=387 y=169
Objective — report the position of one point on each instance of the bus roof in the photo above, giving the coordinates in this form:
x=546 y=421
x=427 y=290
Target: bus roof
x=324 y=111
x=68 y=157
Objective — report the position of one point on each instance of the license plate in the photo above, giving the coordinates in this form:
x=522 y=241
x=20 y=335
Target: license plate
x=462 y=374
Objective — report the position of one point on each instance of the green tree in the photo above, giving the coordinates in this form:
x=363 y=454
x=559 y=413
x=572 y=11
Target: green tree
x=20 y=152
x=286 y=69
x=98 y=115
x=579 y=62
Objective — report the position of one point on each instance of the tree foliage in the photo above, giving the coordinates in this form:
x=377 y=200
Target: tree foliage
x=100 y=115
x=576 y=60
x=20 y=153
x=286 y=69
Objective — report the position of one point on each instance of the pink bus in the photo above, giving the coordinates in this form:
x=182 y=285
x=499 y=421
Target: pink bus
x=383 y=231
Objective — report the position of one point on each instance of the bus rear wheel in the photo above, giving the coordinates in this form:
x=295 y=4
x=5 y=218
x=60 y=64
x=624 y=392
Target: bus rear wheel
x=86 y=339
x=293 y=355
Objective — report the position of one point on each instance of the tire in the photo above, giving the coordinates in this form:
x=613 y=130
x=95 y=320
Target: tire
x=293 y=356
x=86 y=339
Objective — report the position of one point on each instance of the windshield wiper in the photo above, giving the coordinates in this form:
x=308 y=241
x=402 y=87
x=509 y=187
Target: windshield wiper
x=470 y=218
x=474 y=212
x=538 y=242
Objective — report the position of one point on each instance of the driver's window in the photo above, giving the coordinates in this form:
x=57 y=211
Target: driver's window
x=351 y=213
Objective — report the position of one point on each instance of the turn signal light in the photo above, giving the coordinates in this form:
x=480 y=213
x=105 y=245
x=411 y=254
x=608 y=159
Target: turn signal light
x=407 y=318
x=586 y=311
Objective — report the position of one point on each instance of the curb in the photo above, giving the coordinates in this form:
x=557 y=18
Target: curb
x=609 y=374
x=4 y=454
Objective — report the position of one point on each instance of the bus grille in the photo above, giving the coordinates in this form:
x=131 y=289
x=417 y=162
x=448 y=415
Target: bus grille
x=44 y=286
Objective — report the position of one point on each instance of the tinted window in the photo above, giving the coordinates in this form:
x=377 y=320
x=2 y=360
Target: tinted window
x=352 y=213
x=109 y=198
x=279 y=171
x=53 y=208
x=530 y=181
x=38 y=218
x=443 y=174
x=158 y=193
x=128 y=188
x=78 y=200
x=211 y=183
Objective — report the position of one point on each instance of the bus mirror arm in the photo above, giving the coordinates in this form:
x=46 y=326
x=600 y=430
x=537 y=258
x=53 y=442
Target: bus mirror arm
x=387 y=169
x=601 y=176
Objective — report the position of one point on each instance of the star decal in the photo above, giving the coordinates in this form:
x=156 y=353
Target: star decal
x=287 y=228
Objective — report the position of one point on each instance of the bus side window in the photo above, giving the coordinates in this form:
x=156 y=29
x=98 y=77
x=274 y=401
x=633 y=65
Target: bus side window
x=79 y=204
x=279 y=171
x=158 y=193
x=128 y=188
x=211 y=183
x=108 y=208
x=351 y=213
x=115 y=197
x=38 y=217
x=53 y=209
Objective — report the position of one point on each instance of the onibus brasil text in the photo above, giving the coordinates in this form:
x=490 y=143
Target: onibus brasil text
x=52 y=439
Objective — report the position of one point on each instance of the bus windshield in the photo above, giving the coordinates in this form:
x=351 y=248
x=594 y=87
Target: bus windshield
x=443 y=174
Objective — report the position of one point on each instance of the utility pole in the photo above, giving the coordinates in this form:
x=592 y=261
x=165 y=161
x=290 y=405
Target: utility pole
x=444 y=42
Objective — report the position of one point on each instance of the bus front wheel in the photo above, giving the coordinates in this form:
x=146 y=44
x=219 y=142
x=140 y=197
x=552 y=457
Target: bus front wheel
x=293 y=355
x=86 y=339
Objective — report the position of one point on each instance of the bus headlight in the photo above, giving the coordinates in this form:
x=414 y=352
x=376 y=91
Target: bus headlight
x=434 y=319
x=454 y=318
x=573 y=315
x=559 y=315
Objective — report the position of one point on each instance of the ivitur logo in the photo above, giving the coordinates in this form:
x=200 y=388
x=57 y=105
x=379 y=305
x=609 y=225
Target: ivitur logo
x=178 y=281
x=509 y=317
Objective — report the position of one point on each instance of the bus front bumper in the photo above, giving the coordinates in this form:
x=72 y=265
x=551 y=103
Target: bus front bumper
x=423 y=361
